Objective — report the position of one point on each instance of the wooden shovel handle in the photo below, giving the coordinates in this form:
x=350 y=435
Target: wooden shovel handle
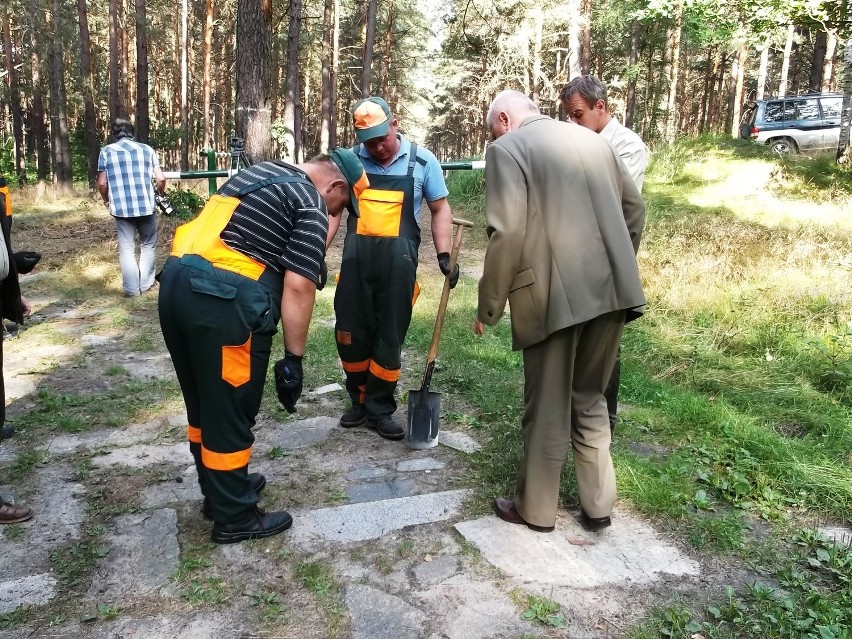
x=445 y=294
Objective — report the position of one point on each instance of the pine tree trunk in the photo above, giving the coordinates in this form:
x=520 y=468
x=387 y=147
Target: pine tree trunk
x=184 y=85
x=708 y=87
x=143 y=119
x=386 y=74
x=630 y=108
x=60 y=145
x=844 y=149
x=574 y=29
x=14 y=100
x=333 y=79
x=38 y=126
x=536 y=65
x=206 y=54
x=369 y=42
x=254 y=20
x=291 y=83
x=674 y=48
x=586 y=37
x=764 y=67
x=828 y=68
x=325 y=97
x=817 y=61
x=116 y=108
x=739 y=81
x=90 y=126
x=785 y=65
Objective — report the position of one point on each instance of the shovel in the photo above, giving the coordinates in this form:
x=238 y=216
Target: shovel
x=424 y=406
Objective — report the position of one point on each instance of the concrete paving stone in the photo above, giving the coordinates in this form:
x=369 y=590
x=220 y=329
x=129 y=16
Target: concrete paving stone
x=467 y=608
x=200 y=625
x=379 y=490
x=142 y=455
x=8 y=452
x=34 y=590
x=366 y=472
x=172 y=491
x=378 y=615
x=143 y=557
x=630 y=552
x=373 y=519
x=836 y=533
x=422 y=463
x=441 y=568
x=133 y=434
x=293 y=435
x=328 y=388
x=458 y=441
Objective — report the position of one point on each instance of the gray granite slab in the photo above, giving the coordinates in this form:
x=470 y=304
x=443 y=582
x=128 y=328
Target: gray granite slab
x=293 y=435
x=371 y=520
x=378 y=490
x=33 y=590
x=378 y=615
x=146 y=432
x=458 y=441
x=143 y=455
x=143 y=557
x=441 y=568
x=420 y=464
x=366 y=472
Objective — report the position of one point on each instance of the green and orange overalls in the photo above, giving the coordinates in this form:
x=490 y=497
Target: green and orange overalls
x=219 y=310
x=377 y=289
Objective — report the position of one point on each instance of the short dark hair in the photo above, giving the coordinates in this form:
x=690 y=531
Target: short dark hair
x=588 y=87
x=123 y=128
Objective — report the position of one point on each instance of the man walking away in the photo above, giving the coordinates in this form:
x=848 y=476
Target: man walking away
x=126 y=169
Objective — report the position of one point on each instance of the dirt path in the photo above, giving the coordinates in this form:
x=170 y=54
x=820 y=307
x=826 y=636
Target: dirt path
x=383 y=544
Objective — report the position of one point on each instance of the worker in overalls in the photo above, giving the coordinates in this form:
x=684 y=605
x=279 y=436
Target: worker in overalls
x=255 y=254
x=377 y=286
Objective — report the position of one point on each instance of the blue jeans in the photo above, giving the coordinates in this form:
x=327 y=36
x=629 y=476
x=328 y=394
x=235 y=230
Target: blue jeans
x=137 y=277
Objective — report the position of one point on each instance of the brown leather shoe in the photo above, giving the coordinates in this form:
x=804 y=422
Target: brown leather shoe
x=593 y=524
x=10 y=514
x=505 y=510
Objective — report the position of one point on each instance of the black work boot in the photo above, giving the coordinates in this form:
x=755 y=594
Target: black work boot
x=257 y=524
x=386 y=427
x=257 y=482
x=355 y=416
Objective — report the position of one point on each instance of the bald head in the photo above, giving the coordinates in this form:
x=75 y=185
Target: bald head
x=508 y=109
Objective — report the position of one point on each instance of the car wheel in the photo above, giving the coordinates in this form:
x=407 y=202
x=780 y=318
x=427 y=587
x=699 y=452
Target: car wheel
x=783 y=146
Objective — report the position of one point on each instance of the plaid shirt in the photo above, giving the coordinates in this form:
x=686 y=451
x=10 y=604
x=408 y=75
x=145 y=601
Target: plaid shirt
x=129 y=167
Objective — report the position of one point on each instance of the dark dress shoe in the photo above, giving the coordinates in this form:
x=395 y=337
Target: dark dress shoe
x=505 y=510
x=6 y=431
x=594 y=524
x=10 y=514
x=257 y=482
x=387 y=427
x=258 y=525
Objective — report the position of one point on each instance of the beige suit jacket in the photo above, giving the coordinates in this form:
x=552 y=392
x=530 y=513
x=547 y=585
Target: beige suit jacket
x=564 y=223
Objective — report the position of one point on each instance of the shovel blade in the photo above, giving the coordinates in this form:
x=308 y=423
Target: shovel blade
x=424 y=411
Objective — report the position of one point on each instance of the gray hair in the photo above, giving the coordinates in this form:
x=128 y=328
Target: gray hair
x=510 y=101
x=123 y=128
x=588 y=87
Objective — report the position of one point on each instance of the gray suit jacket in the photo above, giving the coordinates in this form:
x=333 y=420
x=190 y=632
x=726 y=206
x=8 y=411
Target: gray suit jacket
x=564 y=224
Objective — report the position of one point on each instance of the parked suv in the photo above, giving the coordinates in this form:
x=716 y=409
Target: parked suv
x=795 y=123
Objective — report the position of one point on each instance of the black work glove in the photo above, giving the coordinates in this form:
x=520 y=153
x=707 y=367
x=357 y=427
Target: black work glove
x=25 y=261
x=288 y=380
x=323 y=276
x=444 y=263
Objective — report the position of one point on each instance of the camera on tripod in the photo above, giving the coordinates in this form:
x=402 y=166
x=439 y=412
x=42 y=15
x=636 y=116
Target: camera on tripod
x=163 y=204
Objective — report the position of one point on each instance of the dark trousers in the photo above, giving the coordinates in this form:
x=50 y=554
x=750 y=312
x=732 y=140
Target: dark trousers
x=372 y=304
x=218 y=327
x=611 y=392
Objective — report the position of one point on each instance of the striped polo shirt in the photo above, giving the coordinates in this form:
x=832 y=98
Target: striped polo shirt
x=283 y=226
x=129 y=167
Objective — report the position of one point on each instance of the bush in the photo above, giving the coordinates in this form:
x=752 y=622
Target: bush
x=187 y=204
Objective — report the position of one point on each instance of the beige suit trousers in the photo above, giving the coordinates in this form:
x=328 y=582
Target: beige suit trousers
x=564 y=381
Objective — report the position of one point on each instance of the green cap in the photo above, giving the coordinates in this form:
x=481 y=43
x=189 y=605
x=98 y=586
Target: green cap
x=353 y=171
x=371 y=117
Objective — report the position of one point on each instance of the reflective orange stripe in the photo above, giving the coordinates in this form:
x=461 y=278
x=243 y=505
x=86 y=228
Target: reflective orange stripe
x=4 y=193
x=356 y=367
x=416 y=293
x=236 y=363
x=201 y=237
x=193 y=434
x=225 y=461
x=362 y=393
x=384 y=373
